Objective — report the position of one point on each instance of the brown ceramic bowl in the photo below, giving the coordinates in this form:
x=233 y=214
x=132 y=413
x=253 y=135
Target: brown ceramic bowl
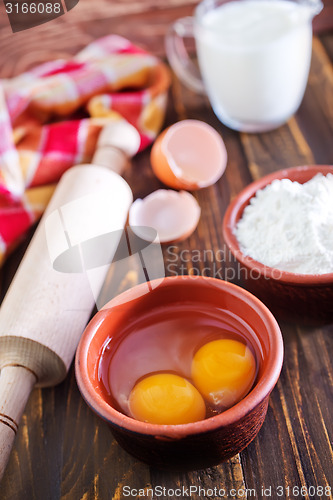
x=289 y=295
x=206 y=442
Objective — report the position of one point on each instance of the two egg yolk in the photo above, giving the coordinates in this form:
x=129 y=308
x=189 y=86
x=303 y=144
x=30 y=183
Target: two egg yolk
x=223 y=372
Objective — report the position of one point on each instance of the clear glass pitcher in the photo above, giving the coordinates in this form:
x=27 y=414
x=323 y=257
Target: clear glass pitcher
x=254 y=58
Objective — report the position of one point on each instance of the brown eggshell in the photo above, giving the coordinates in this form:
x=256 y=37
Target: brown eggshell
x=189 y=155
x=173 y=215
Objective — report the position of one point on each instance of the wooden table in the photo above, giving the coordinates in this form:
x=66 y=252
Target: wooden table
x=62 y=449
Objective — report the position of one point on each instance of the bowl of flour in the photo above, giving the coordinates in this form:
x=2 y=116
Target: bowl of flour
x=280 y=230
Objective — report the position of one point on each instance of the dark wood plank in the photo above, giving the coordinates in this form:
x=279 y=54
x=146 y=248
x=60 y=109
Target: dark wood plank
x=327 y=42
x=315 y=116
x=213 y=482
x=298 y=425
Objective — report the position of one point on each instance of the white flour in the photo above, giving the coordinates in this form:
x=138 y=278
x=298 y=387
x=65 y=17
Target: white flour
x=289 y=226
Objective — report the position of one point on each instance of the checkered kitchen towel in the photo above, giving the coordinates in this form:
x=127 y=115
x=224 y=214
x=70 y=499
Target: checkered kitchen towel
x=50 y=119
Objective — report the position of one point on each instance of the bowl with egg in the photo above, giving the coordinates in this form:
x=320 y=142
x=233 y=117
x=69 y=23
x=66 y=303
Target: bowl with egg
x=181 y=370
x=280 y=231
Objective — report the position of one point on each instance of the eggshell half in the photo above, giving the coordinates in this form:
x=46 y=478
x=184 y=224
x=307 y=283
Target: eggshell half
x=189 y=155
x=174 y=215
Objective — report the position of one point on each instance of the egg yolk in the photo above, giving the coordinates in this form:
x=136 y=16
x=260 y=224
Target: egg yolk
x=166 y=398
x=223 y=371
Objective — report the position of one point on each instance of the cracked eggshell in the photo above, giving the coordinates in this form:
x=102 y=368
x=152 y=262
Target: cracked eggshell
x=189 y=155
x=174 y=215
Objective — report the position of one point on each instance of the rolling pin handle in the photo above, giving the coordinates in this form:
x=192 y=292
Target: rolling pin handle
x=117 y=142
x=16 y=383
x=112 y=158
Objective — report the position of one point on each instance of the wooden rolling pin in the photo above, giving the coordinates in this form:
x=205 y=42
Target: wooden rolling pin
x=45 y=310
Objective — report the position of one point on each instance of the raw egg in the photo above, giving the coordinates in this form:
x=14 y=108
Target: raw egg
x=165 y=398
x=223 y=371
x=189 y=155
x=174 y=215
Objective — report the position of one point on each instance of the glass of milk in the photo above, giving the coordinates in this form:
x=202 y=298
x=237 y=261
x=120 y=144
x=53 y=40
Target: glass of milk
x=254 y=58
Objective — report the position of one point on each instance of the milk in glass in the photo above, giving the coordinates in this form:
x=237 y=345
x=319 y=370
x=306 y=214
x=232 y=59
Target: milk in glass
x=254 y=56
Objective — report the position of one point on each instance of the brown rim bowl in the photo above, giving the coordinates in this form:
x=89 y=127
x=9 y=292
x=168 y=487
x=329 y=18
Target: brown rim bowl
x=195 y=445
x=291 y=296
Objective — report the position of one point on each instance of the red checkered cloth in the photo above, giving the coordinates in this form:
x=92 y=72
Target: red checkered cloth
x=51 y=116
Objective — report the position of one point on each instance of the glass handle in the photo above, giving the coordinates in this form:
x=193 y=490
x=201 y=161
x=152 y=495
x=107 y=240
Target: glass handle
x=178 y=57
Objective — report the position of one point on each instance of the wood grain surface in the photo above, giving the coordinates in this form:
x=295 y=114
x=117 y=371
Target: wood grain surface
x=62 y=450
